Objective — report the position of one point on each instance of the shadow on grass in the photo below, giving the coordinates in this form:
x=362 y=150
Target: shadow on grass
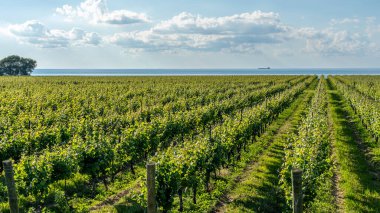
x=268 y=197
x=131 y=207
x=260 y=191
x=367 y=196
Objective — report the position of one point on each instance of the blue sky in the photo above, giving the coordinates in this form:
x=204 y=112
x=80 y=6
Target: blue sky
x=192 y=34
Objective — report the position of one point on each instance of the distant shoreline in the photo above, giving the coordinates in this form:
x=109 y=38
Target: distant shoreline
x=204 y=72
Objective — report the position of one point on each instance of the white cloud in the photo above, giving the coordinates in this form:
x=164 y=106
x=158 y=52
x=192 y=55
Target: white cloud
x=370 y=19
x=372 y=28
x=35 y=33
x=240 y=32
x=251 y=33
x=4 y=31
x=331 y=42
x=256 y=23
x=96 y=11
x=150 y=41
x=344 y=21
x=246 y=33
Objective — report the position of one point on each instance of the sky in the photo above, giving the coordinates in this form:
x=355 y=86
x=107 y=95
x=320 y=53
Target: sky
x=122 y=34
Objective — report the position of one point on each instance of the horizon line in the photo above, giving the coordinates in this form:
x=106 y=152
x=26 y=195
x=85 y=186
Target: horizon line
x=237 y=68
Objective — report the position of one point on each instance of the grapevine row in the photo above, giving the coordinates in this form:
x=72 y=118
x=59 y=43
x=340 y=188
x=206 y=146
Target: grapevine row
x=308 y=149
x=32 y=140
x=189 y=165
x=366 y=107
x=101 y=153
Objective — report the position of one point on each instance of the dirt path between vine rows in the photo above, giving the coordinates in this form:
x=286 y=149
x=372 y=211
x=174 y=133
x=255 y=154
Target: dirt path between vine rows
x=274 y=149
x=257 y=187
x=337 y=192
x=357 y=182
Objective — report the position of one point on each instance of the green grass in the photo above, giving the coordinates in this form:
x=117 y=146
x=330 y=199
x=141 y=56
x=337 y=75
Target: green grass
x=360 y=188
x=252 y=184
x=258 y=188
x=226 y=179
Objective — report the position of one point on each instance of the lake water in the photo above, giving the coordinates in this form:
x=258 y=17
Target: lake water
x=164 y=72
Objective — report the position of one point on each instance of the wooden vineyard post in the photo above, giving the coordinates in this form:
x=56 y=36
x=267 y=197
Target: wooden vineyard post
x=151 y=184
x=10 y=182
x=297 y=190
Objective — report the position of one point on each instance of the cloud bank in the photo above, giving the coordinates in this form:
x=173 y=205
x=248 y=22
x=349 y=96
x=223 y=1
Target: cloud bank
x=251 y=32
x=240 y=32
x=330 y=42
x=96 y=12
x=35 y=33
x=246 y=33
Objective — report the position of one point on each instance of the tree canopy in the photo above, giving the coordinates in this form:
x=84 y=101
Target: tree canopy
x=16 y=65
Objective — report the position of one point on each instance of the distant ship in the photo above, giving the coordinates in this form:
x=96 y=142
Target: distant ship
x=264 y=68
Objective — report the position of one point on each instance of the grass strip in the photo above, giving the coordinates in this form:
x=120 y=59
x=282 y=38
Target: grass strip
x=258 y=189
x=360 y=187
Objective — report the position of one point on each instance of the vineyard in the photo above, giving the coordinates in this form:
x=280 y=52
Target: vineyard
x=218 y=144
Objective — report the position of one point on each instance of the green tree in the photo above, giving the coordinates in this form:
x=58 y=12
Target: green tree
x=16 y=65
